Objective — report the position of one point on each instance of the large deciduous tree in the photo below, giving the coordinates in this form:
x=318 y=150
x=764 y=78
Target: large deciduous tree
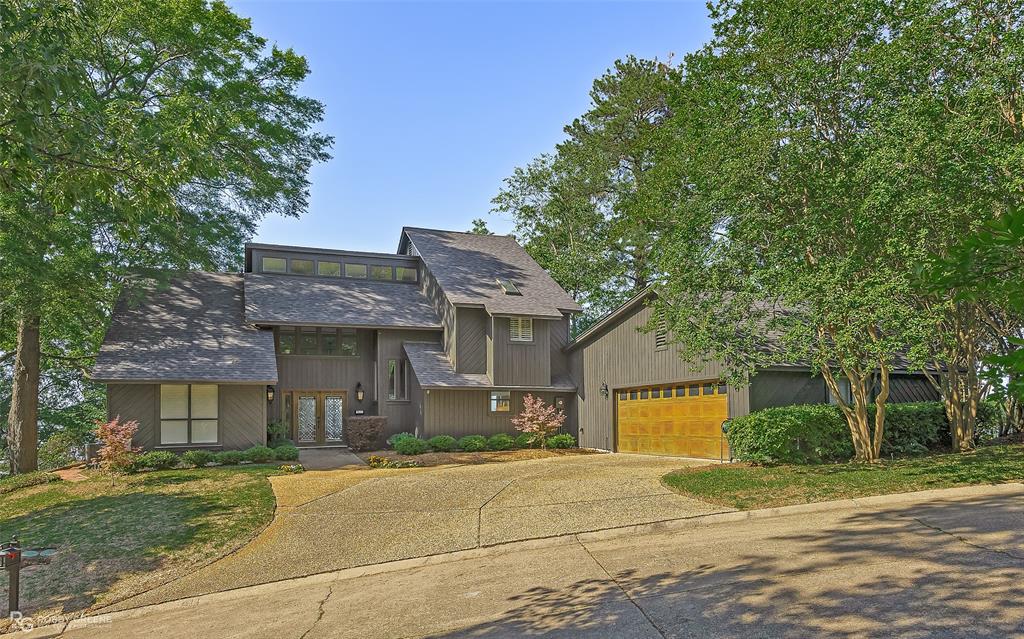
x=135 y=136
x=591 y=211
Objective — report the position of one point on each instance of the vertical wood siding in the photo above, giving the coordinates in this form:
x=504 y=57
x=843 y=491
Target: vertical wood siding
x=559 y=338
x=401 y=415
x=466 y=412
x=471 y=340
x=308 y=372
x=784 y=388
x=242 y=418
x=623 y=356
x=520 y=363
x=140 y=403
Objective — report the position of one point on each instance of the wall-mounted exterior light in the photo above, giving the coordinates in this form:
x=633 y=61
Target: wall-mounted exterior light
x=270 y=394
x=604 y=390
x=359 y=392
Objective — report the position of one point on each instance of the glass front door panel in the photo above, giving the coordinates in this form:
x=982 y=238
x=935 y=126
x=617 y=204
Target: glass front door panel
x=333 y=417
x=307 y=419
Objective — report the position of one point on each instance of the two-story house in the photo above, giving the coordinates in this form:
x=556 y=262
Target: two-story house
x=444 y=336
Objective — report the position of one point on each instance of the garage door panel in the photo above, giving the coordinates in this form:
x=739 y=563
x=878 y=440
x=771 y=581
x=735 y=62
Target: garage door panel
x=668 y=422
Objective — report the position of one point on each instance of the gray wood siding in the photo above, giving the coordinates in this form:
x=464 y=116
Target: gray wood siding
x=466 y=412
x=136 y=402
x=444 y=310
x=912 y=388
x=242 y=418
x=519 y=363
x=471 y=340
x=559 y=339
x=402 y=415
x=621 y=357
x=784 y=388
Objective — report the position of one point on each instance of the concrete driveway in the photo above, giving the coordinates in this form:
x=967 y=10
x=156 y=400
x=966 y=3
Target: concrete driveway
x=938 y=564
x=353 y=517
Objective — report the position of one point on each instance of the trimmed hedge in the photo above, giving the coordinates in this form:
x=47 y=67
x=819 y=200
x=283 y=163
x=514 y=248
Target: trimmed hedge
x=157 y=460
x=230 y=457
x=443 y=443
x=411 y=446
x=286 y=452
x=473 y=443
x=501 y=441
x=259 y=454
x=562 y=440
x=525 y=440
x=197 y=458
x=816 y=433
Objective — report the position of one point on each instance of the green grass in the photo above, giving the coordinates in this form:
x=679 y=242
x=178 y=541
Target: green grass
x=747 y=487
x=117 y=540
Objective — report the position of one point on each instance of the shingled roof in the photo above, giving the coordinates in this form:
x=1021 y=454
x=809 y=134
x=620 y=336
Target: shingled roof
x=283 y=299
x=190 y=330
x=434 y=370
x=467 y=267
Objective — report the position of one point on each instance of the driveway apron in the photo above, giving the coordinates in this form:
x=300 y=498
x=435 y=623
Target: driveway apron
x=346 y=518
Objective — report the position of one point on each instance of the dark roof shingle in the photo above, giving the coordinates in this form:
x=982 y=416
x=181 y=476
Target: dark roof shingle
x=191 y=330
x=467 y=267
x=283 y=299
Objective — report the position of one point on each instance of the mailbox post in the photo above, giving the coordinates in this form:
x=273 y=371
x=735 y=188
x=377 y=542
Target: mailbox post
x=10 y=559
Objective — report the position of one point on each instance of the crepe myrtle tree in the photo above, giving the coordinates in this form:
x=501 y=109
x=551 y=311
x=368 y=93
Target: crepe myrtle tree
x=538 y=419
x=136 y=136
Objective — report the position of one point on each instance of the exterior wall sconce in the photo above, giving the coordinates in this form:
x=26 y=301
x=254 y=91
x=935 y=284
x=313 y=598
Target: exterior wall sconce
x=359 y=392
x=604 y=390
x=270 y=394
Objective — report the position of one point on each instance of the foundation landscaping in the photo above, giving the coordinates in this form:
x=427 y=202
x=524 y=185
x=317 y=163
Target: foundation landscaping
x=408 y=451
x=800 y=454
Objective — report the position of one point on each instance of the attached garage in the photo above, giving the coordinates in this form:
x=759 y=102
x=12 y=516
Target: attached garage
x=673 y=419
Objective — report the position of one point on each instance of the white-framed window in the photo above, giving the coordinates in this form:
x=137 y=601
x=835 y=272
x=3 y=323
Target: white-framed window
x=189 y=414
x=500 y=401
x=398 y=380
x=520 y=329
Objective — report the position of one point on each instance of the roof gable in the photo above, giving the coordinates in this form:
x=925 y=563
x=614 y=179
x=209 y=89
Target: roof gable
x=468 y=268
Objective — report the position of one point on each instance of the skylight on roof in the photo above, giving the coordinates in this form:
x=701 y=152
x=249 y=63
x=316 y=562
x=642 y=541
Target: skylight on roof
x=508 y=287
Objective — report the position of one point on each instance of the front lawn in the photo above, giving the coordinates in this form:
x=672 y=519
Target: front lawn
x=116 y=541
x=747 y=487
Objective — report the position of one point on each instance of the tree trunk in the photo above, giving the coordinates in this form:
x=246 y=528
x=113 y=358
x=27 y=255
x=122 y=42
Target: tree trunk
x=880 y=400
x=864 y=449
x=22 y=421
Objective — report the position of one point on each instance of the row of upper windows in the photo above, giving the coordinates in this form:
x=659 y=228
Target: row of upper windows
x=309 y=340
x=666 y=392
x=329 y=268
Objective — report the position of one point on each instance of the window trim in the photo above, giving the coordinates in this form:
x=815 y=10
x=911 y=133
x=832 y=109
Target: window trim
x=320 y=273
x=399 y=368
x=492 y=402
x=188 y=419
x=356 y=265
x=413 y=269
x=342 y=332
x=518 y=335
x=389 y=278
x=263 y=265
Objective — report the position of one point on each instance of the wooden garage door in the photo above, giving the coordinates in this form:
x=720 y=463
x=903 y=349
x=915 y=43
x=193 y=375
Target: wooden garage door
x=678 y=419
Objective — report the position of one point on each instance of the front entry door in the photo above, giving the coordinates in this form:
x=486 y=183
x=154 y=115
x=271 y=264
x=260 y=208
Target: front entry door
x=319 y=417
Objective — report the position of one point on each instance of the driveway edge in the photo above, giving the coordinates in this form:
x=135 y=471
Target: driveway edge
x=878 y=502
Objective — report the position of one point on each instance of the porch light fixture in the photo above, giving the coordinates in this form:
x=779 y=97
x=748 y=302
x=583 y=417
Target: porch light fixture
x=270 y=394
x=604 y=390
x=359 y=391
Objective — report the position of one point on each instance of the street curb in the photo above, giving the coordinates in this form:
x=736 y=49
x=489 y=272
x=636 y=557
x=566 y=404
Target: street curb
x=878 y=503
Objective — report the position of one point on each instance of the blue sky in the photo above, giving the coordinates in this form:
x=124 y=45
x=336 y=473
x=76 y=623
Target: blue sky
x=432 y=104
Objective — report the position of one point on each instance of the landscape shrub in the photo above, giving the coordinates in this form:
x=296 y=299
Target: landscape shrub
x=277 y=433
x=991 y=413
x=229 y=457
x=116 y=452
x=816 y=433
x=156 y=460
x=281 y=442
x=562 y=440
x=259 y=454
x=501 y=441
x=24 y=480
x=365 y=432
x=394 y=439
x=286 y=452
x=801 y=434
x=443 y=443
x=473 y=443
x=411 y=446
x=524 y=440
x=197 y=458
